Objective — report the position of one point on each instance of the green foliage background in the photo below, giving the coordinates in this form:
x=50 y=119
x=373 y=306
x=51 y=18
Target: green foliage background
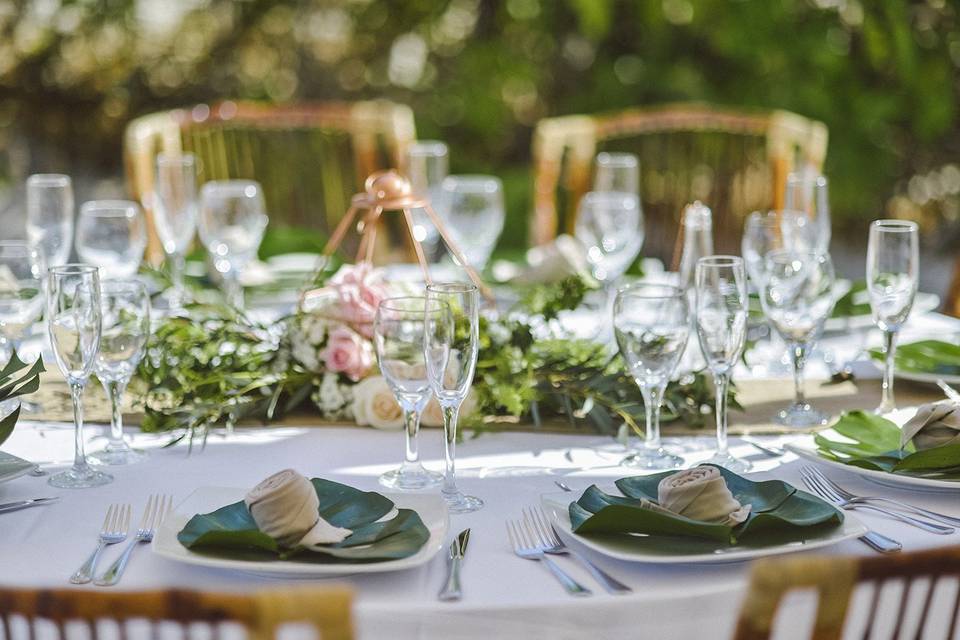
x=479 y=73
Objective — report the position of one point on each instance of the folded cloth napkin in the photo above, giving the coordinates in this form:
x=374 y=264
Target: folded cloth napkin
x=286 y=508
x=701 y=494
x=934 y=425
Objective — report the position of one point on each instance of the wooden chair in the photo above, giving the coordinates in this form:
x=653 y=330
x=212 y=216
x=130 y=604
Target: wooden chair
x=735 y=162
x=834 y=580
x=260 y=613
x=310 y=159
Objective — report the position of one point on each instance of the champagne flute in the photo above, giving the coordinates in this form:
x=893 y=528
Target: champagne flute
x=232 y=224
x=112 y=235
x=797 y=299
x=50 y=215
x=125 y=310
x=73 y=323
x=427 y=166
x=722 y=330
x=893 y=266
x=617 y=172
x=807 y=194
x=652 y=324
x=450 y=347
x=175 y=211
x=21 y=292
x=610 y=227
x=398 y=332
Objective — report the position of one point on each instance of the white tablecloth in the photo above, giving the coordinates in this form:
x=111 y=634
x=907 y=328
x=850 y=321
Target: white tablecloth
x=504 y=595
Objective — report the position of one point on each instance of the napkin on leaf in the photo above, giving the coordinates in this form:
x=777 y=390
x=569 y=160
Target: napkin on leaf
x=701 y=494
x=285 y=506
x=934 y=425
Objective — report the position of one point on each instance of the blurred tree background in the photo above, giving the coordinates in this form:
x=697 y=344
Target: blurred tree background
x=882 y=74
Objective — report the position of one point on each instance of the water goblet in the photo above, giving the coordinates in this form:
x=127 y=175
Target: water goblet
x=893 y=266
x=50 y=215
x=722 y=330
x=73 y=324
x=617 y=172
x=451 y=337
x=232 y=224
x=125 y=327
x=652 y=324
x=610 y=228
x=21 y=292
x=398 y=332
x=427 y=166
x=472 y=207
x=797 y=299
x=112 y=235
x=174 y=205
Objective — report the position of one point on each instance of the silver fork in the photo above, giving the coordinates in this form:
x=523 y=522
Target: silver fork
x=827 y=493
x=524 y=546
x=853 y=498
x=157 y=508
x=551 y=543
x=115 y=526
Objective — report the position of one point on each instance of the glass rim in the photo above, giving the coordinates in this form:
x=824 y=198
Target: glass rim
x=73 y=268
x=428 y=148
x=636 y=290
x=818 y=180
x=232 y=186
x=610 y=196
x=896 y=226
x=472 y=183
x=183 y=159
x=617 y=159
x=394 y=304
x=451 y=287
x=819 y=256
x=110 y=208
x=49 y=180
x=720 y=260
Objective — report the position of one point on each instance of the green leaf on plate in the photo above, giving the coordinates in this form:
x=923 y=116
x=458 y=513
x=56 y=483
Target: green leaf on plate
x=231 y=530
x=941 y=458
x=872 y=435
x=779 y=512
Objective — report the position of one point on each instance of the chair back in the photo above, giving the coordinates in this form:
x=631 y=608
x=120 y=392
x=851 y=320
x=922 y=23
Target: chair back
x=835 y=579
x=310 y=159
x=260 y=613
x=734 y=162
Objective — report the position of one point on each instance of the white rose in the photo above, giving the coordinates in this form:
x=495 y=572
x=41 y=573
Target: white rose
x=432 y=416
x=374 y=404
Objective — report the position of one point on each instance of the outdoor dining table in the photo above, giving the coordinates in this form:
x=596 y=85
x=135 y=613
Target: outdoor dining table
x=504 y=596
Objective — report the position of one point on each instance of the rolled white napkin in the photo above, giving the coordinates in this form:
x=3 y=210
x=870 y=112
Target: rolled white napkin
x=701 y=494
x=286 y=508
x=934 y=425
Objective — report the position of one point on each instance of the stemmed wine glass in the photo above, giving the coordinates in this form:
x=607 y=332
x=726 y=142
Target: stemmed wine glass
x=450 y=347
x=21 y=292
x=797 y=299
x=617 y=172
x=652 y=324
x=73 y=323
x=174 y=206
x=722 y=329
x=807 y=194
x=125 y=310
x=112 y=235
x=398 y=331
x=893 y=266
x=50 y=215
x=472 y=206
x=232 y=224
x=610 y=228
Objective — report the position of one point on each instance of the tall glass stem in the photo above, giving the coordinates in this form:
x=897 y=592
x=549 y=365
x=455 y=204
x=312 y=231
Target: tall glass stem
x=79 y=456
x=411 y=423
x=178 y=266
x=450 y=417
x=115 y=395
x=890 y=351
x=798 y=351
x=721 y=383
x=233 y=289
x=652 y=399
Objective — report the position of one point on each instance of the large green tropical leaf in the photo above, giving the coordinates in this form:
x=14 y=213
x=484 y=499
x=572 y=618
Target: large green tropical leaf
x=926 y=356
x=13 y=385
x=231 y=530
x=779 y=513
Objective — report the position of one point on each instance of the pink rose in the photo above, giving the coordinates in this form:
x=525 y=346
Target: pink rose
x=347 y=353
x=359 y=293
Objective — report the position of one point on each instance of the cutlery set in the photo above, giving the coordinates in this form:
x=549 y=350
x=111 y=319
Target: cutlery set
x=115 y=529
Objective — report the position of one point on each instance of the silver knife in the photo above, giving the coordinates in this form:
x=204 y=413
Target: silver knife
x=451 y=590
x=23 y=504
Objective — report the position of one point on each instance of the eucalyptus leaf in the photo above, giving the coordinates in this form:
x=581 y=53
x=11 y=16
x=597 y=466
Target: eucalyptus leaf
x=231 y=530
x=778 y=512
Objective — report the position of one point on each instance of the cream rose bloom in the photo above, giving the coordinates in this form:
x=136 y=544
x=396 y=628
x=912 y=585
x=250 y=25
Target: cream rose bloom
x=374 y=404
x=432 y=416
